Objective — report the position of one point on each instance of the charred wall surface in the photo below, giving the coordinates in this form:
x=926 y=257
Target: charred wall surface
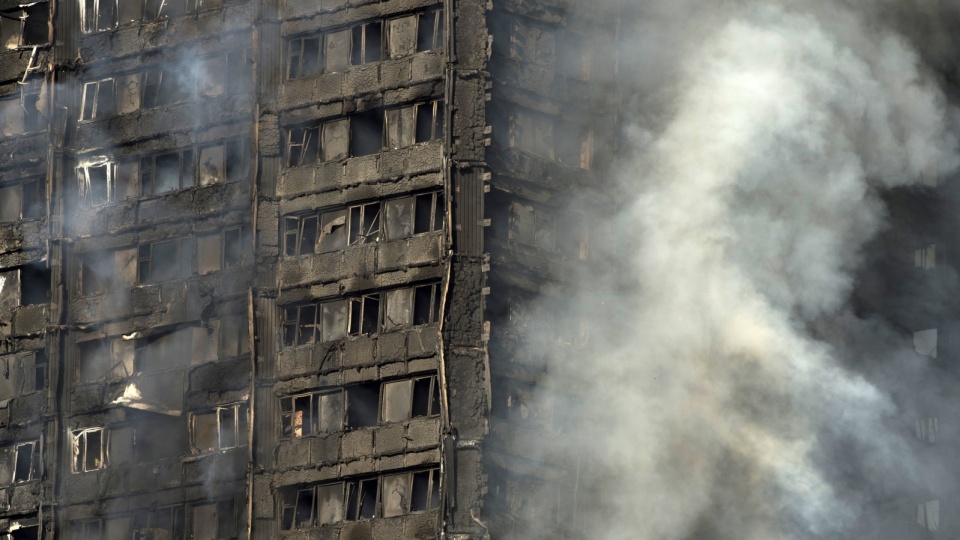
x=263 y=263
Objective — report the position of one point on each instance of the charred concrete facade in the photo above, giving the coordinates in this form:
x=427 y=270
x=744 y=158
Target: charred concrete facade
x=268 y=267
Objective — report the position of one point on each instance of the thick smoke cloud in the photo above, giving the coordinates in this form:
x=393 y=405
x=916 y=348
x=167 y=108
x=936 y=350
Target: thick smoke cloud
x=742 y=396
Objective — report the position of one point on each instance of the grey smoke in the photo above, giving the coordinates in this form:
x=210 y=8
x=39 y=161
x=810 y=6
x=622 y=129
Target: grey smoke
x=734 y=401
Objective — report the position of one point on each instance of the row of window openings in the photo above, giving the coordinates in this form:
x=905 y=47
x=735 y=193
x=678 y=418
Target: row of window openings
x=364 y=133
x=357 y=406
x=362 y=315
x=210 y=521
x=98 y=448
x=100 y=15
x=103 y=181
x=25 y=26
x=20 y=115
x=332 y=230
x=116 y=358
x=559 y=49
x=167 y=260
x=538 y=227
x=366 y=498
x=213 y=76
x=363 y=43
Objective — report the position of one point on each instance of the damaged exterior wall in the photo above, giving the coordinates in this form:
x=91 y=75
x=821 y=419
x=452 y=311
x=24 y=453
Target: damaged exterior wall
x=263 y=264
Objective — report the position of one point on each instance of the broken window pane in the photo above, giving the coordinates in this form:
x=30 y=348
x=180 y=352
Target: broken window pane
x=426 y=305
x=361 y=499
x=303 y=57
x=399 y=218
x=10 y=203
x=331 y=412
x=208 y=253
x=395 y=495
x=429 y=121
x=333 y=231
x=27 y=462
x=336 y=140
x=304 y=509
x=95 y=360
x=429 y=213
x=426 y=397
x=334 y=320
x=367 y=43
x=167 y=173
x=364 y=315
x=400 y=127
x=211 y=167
x=9 y=290
x=364 y=224
x=402 y=36
x=398 y=311
x=426 y=490
x=228 y=428
x=330 y=504
x=336 y=50
x=205 y=522
x=130 y=11
x=10 y=377
x=204 y=432
x=397 y=397
x=34 y=284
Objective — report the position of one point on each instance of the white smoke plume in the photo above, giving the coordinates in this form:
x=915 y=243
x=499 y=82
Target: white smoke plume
x=730 y=403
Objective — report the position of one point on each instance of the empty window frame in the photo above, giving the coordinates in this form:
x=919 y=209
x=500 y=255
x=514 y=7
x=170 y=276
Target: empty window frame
x=311 y=143
x=223 y=73
x=170 y=171
x=24 y=200
x=316 y=322
x=409 y=398
x=304 y=56
x=21 y=374
x=165 y=86
x=311 y=413
x=366 y=43
x=159 y=524
x=225 y=427
x=531 y=226
x=551 y=138
x=229 y=248
x=89 y=449
x=99 y=99
x=97 y=180
x=417 y=123
x=414 y=33
x=216 y=520
x=165 y=261
x=411 y=307
x=96 y=272
x=99 y=15
x=228 y=161
x=24 y=26
x=26 y=462
x=27 y=285
x=408 y=492
x=20 y=114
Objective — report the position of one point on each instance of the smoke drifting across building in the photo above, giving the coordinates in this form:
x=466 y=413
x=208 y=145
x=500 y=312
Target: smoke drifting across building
x=464 y=269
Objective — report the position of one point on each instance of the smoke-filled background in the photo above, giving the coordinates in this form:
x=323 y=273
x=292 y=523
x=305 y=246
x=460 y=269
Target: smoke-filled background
x=745 y=378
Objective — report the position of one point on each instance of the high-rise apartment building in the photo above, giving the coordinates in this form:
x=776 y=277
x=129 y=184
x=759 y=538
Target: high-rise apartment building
x=268 y=268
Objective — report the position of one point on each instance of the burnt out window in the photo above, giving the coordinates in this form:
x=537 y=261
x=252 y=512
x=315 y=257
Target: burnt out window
x=430 y=30
x=364 y=224
x=309 y=414
x=364 y=315
x=158 y=524
x=363 y=405
x=409 y=398
x=304 y=56
x=311 y=506
x=409 y=492
x=216 y=520
x=89 y=449
x=170 y=171
x=220 y=429
x=96 y=179
x=531 y=226
x=96 y=272
x=309 y=144
x=26 y=464
x=34 y=284
x=315 y=232
x=165 y=86
x=564 y=141
x=99 y=15
x=366 y=133
x=316 y=322
x=417 y=123
x=224 y=73
x=20 y=114
x=411 y=306
x=362 y=499
x=99 y=99
x=224 y=162
x=229 y=248
x=25 y=200
x=367 y=43
x=165 y=261
x=25 y=532
x=408 y=216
